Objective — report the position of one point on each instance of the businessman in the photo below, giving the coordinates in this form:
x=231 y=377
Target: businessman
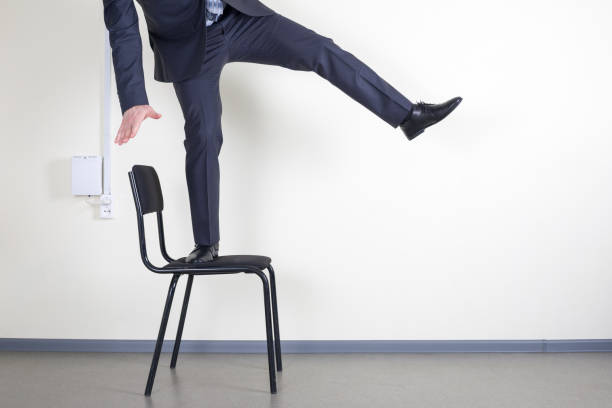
x=192 y=40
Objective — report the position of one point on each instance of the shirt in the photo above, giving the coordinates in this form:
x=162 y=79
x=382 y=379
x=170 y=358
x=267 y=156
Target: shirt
x=214 y=9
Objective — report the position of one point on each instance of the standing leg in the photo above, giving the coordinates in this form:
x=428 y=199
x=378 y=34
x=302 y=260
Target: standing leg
x=160 y=335
x=201 y=105
x=179 y=332
x=277 y=40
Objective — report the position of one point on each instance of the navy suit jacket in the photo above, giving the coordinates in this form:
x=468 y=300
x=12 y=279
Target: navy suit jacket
x=177 y=35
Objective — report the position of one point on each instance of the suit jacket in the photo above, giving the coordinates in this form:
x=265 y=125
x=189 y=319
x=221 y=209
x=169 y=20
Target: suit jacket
x=177 y=36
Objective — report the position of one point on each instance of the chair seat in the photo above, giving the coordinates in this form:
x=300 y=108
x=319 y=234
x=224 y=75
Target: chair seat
x=230 y=261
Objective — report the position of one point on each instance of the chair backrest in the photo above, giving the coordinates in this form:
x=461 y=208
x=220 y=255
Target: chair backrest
x=148 y=189
x=148 y=199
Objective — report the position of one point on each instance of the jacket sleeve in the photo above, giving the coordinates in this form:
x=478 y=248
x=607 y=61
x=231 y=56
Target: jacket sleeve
x=121 y=20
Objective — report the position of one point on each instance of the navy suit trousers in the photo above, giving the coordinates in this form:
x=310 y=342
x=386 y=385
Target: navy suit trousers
x=273 y=40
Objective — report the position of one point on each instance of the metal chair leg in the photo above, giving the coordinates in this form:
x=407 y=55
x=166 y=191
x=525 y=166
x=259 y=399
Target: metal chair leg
x=277 y=344
x=160 y=336
x=179 y=332
x=270 y=342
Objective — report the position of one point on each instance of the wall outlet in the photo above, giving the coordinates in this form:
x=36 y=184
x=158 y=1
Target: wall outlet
x=106 y=206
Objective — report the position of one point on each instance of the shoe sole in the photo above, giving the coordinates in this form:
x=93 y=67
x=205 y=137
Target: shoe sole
x=451 y=109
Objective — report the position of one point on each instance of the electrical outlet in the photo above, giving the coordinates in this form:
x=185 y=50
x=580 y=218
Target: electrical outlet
x=106 y=206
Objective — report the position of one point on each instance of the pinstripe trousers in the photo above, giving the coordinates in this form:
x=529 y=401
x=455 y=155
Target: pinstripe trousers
x=273 y=40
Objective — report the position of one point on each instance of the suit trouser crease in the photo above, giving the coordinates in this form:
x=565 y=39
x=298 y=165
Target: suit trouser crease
x=272 y=40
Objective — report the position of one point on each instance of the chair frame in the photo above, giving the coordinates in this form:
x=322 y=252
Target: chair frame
x=269 y=292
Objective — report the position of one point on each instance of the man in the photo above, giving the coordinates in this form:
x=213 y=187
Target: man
x=192 y=40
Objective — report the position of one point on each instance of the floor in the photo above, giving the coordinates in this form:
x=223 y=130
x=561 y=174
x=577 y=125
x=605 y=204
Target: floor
x=309 y=380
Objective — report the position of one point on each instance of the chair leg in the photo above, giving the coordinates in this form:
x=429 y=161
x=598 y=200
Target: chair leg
x=269 y=338
x=277 y=344
x=160 y=336
x=179 y=332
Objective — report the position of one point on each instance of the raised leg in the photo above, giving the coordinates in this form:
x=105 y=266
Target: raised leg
x=278 y=40
x=160 y=335
x=179 y=332
x=269 y=338
x=277 y=345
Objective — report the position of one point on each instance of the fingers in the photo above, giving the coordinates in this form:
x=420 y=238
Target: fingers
x=120 y=133
x=124 y=134
x=134 y=131
x=120 y=139
x=128 y=129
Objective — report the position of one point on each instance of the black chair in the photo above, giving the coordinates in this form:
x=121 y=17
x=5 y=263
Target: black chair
x=148 y=199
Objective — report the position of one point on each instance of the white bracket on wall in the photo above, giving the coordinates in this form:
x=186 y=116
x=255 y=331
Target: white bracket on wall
x=106 y=208
x=91 y=175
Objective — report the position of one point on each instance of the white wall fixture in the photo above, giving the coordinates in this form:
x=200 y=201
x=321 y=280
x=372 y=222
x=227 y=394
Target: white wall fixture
x=106 y=200
x=86 y=175
x=91 y=174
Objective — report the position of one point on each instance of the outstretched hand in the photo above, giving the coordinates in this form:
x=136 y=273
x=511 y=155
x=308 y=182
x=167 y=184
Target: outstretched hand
x=132 y=119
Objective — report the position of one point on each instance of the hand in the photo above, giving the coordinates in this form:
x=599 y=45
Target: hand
x=132 y=118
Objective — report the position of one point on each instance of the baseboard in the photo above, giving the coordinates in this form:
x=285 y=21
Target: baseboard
x=313 y=346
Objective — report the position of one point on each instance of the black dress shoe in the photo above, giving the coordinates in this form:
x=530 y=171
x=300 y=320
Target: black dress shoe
x=424 y=115
x=203 y=253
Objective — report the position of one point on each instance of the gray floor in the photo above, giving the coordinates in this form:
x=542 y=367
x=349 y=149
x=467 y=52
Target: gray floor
x=328 y=380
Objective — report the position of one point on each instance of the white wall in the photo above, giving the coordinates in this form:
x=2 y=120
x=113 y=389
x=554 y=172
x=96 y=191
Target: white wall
x=494 y=224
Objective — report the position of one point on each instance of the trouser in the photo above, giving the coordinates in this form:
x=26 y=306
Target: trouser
x=272 y=40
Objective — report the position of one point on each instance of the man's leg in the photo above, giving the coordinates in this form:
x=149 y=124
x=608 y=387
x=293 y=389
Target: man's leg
x=277 y=40
x=201 y=105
